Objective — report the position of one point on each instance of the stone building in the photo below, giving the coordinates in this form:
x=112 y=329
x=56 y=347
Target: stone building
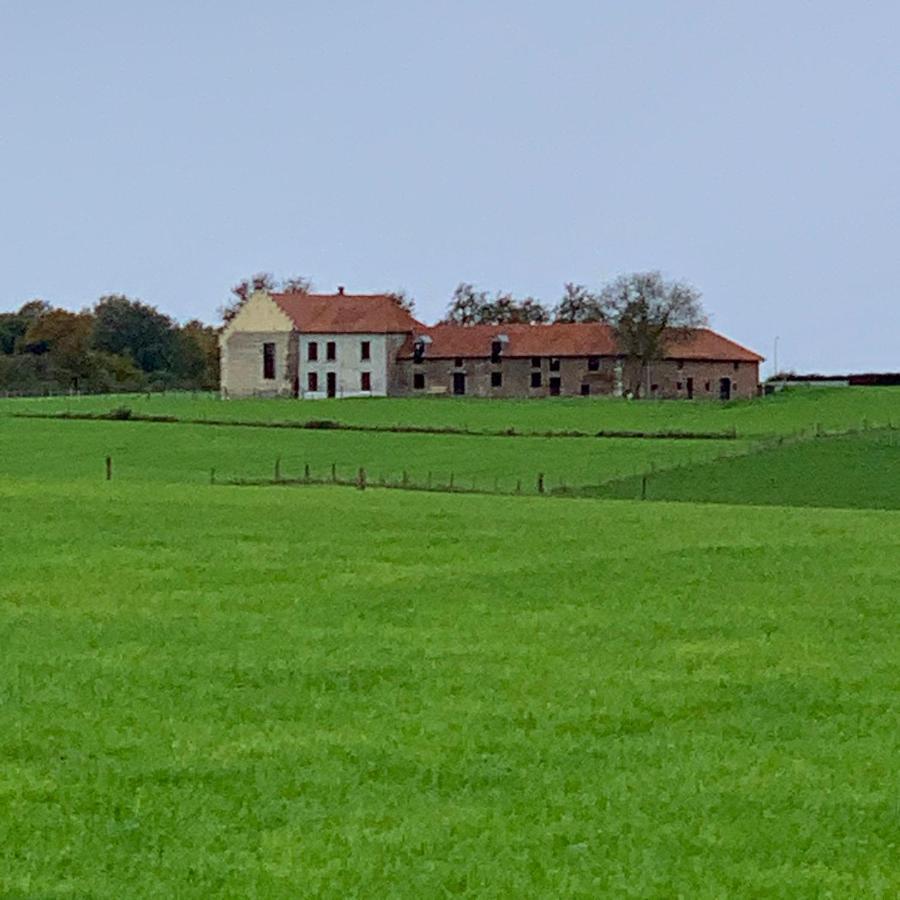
x=343 y=345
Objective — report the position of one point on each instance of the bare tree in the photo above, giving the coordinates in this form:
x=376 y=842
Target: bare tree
x=467 y=306
x=578 y=304
x=649 y=315
x=403 y=300
x=261 y=281
x=297 y=284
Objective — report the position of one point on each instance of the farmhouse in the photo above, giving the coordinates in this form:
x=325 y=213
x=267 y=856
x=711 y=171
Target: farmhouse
x=367 y=345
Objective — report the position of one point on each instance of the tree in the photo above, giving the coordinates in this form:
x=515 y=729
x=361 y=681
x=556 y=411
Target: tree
x=504 y=309
x=467 y=306
x=261 y=281
x=403 y=300
x=125 y=326
x=578 y=304
x=64 y=340
x=649 y=314
x=472 y=307
x=14 y=325
x=297 y=284
x=196 y=360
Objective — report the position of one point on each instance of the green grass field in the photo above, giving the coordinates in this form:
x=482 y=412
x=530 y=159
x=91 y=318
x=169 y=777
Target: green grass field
x=860 y=470
x=143 y=451
x=789 y=412
x=316 y=691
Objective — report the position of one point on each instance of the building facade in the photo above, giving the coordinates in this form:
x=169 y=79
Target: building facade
x=341 y=345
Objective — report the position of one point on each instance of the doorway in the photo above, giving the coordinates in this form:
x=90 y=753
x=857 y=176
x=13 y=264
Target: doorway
x=724 y=388
x=331 y=384
x=690 y=388
x=459 y=383
x=555 y=386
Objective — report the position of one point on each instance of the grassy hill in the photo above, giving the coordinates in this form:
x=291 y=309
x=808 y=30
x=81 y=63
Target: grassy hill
x=785 y=413
x=861 y=470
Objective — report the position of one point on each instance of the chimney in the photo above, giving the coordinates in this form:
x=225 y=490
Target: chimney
x=341 y=289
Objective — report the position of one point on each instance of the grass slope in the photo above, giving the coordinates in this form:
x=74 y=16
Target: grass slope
x=242 y=692
x=72 y=449
x=849 y=471
x=789 y=412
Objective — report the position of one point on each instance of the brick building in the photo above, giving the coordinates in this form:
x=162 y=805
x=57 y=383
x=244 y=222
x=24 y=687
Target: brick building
x=342 y=345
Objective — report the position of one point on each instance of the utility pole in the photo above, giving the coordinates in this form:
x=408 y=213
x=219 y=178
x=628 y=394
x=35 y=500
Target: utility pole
x=775 y=357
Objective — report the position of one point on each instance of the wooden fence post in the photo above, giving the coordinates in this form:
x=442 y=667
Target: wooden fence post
x=361 y=479
x=643 y=487
x=306 y=472
x=333 y=473
x=109 y=468
x=540 y=483
x=278 y=468
x=405 y=478
x=212 y=476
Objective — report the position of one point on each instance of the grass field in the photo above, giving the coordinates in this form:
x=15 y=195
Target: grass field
x=212 y=691
x=789 y=412
x=144 y=451
x=315 y=691
x=861 y=470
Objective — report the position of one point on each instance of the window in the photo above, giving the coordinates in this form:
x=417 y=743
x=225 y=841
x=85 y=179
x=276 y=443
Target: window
x=554 y=363
x=654 y=388
x=496 y=350
x=737 y=365
x=707 y=385
x=678 y=385
x=312 y=351
x=457 y=362
x=418 y=351
x=680 y=364
x=535 y=379
x=331 y=351
x=593 y=363
x=419 y=381
x=365 y=350
x=535 y=362
x=312 y=382
x=496 y=379
x=585 y=390
x=268 y=361
x=365 y=381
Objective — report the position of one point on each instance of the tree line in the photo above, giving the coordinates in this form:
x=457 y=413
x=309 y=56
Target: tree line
x=119 y=344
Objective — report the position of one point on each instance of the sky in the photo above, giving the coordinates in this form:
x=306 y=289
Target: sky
x=166 y=150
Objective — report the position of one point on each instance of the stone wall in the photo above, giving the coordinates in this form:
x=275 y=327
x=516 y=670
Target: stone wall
x=574 y=376
x=241 y=357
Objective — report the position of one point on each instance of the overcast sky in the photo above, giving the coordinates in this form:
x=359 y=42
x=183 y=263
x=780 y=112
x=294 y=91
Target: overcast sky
x=165 y=150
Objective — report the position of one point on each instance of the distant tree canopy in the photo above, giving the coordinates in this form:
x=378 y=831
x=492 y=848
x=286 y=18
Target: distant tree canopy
x=578 y=304
x=118 y=344
x=473 y=307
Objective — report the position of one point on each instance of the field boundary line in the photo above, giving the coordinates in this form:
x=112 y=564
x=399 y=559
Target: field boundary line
x=332 y=425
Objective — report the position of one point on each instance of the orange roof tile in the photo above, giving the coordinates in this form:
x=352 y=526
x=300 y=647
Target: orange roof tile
x=346 y=313
x=563 y=339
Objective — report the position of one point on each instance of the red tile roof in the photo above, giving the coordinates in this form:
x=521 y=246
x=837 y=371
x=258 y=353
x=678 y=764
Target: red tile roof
x=346 y=313
x=582 y=339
